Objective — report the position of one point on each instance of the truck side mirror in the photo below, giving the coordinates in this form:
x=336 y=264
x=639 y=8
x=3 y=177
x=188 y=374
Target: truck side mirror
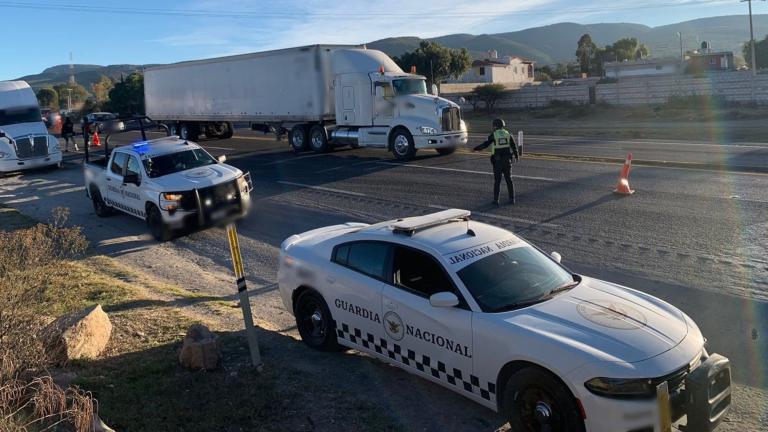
x=131 y=178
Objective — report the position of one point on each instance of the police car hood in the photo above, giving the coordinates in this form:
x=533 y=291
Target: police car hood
x=611 y=322
x=198 y=178
x=19 y=130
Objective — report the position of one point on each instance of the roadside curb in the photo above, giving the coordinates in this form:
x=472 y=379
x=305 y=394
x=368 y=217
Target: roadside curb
x=653 y=163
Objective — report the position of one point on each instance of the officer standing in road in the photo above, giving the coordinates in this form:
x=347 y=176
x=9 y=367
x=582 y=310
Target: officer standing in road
x=503 y=152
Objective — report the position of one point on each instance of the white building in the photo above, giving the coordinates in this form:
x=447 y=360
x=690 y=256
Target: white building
x=643 y=67
x=505 y=70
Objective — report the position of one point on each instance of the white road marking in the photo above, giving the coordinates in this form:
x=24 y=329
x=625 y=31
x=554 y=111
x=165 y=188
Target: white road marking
x=7 y=196
x=500 y=217
x=23 y=200
x=291 y=159
x=627 y=141
x=217 y=148
x=68 y=190
x=320 y=188
x=60 y=185
x=465 y=171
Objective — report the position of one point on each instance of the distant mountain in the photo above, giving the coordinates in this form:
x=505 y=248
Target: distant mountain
x=557 y=42
x=85 y=75
x=548 y=44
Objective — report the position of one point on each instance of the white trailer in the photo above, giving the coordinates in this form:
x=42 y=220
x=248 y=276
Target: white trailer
x=324 y=95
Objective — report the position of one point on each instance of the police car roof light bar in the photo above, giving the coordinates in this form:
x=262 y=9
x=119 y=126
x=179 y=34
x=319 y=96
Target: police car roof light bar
x=409 y=226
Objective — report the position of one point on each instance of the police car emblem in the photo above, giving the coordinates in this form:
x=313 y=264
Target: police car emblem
x=393 y=326
x=611 y=314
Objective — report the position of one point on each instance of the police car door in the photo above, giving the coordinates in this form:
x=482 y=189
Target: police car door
x=114 y=179
x=353 y=292
x=433 y=341
x=132 y=196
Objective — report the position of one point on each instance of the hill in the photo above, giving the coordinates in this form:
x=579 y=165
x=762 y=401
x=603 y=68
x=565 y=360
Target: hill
x=84 y=74
x=557 y=42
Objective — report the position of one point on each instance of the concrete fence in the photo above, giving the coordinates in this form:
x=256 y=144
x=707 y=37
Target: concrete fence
x=731 y=86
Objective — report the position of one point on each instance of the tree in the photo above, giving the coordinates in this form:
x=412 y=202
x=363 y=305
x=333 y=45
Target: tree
x=628 y=49
x=79 y=94
x=761 y=53
x=47 y=97
x=585 y=53
x=102 y=87
x=489 y=94
x=127 y=97
x=435 y=61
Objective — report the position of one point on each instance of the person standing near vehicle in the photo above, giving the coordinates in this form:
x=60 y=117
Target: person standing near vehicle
x=86 y=126
x=503 y=153
x=68 y=133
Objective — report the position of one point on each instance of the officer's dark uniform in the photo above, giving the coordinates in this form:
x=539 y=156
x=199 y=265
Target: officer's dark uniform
x=503 y=150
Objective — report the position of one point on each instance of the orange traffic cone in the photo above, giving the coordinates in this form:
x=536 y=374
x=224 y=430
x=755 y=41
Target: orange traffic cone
x=96 y=140
x=622 y=188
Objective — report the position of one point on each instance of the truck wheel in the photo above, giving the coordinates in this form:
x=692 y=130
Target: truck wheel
x=314 y=322
x=535 y=400
x=298 y=138
x=446 y=151
x=99 y=206
x=159 y=230
x=189 y=131
x=318 y=139
x=230 y=130
x=402 y=145
x=173 y=129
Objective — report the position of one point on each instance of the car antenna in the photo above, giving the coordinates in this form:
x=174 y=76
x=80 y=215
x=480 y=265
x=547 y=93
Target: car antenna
x=469 y=230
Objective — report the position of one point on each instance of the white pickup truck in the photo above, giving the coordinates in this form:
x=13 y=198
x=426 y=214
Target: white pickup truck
x=171 y=183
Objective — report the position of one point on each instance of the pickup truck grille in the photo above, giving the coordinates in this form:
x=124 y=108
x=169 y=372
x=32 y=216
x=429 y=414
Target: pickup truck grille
x=219 y=196
x=451 y=119
x=32 y=146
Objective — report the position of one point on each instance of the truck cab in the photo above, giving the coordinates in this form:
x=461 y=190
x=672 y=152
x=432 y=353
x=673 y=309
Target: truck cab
x=24 y=139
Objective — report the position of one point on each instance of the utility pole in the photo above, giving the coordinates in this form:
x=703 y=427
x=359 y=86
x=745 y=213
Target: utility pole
x=682 y=58
x=69 y=100
x=751 y=37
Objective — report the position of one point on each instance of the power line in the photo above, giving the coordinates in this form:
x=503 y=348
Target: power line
x=80 y=8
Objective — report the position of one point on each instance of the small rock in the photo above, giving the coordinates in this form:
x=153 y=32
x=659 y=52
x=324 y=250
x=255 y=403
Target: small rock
x=81 y=335
x=200 y=349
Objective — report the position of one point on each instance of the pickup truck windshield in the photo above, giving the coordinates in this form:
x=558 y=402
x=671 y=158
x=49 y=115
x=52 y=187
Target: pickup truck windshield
x=20 y=115
x=513 y=277
x=409 y=86
x=159 y=166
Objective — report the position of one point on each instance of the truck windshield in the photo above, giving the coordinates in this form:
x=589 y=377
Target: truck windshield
x=409 y=86
x=513 y=277
x=17 y=115
x=159 y=166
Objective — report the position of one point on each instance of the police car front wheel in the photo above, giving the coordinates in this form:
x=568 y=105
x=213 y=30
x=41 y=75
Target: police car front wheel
x=314 y=322
x=536 y=401
x=159 y=229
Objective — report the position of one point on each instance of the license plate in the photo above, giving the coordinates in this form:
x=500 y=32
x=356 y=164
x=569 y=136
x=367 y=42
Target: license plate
x=665 y=408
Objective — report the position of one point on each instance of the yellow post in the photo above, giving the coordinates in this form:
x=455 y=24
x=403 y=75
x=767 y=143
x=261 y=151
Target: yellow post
x=665 y=409
x=245 y=303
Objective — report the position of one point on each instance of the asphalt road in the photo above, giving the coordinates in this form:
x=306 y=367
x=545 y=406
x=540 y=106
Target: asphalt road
x=696 y=238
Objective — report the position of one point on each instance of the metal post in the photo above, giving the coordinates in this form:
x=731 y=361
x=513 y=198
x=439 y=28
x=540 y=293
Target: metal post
x=245 y=302
x=682 y=57
x=69 y=99
x=752 y=37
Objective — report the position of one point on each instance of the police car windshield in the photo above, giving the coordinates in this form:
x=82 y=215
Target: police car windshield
x=159 y=166
x=409 y=86
x=513 y=278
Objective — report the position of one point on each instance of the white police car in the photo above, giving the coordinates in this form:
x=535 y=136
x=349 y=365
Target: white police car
x=479 y=310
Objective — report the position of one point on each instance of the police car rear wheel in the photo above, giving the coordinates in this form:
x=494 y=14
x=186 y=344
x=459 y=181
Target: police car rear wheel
x=99 y=206
x=157 y=227
x=314 y=321
x=536 y=401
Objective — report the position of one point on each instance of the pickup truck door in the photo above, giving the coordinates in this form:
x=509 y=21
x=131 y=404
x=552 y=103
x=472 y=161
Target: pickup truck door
x=114 y=180
x=132 y=192
x=434 y=342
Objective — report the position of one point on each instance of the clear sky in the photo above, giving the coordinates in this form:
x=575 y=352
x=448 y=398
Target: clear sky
x=36 y=34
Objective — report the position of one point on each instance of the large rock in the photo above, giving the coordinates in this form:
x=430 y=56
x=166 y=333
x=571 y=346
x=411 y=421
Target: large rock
x=200 y=349
x=80 y=335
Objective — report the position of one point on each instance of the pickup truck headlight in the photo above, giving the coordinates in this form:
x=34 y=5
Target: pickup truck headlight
x=426 y=130
x=4 y=155
x=622 y=388
x=170 y=201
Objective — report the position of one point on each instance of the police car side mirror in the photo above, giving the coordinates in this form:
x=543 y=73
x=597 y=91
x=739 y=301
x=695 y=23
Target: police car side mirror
x=222 y=158
x=557 y=257
x=131 y=178
x=443 y=300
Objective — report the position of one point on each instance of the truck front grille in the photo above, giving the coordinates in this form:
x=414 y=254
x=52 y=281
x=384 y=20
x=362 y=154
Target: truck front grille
x=451 y=120
x=32 y=146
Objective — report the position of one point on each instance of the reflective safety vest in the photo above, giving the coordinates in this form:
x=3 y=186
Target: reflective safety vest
x=502 y=139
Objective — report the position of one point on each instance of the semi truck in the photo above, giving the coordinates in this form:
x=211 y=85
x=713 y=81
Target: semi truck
x=24 y=139
x=323 y=96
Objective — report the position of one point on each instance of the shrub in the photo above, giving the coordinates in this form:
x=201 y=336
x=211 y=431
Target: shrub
x=489 y=94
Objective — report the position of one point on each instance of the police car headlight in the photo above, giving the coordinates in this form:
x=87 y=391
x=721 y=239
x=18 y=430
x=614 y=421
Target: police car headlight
x=426 y=130
x=170 y=201
x=621 y=388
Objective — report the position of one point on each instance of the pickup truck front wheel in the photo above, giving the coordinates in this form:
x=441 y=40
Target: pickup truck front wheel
x=99 y=206
x=159 y=230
